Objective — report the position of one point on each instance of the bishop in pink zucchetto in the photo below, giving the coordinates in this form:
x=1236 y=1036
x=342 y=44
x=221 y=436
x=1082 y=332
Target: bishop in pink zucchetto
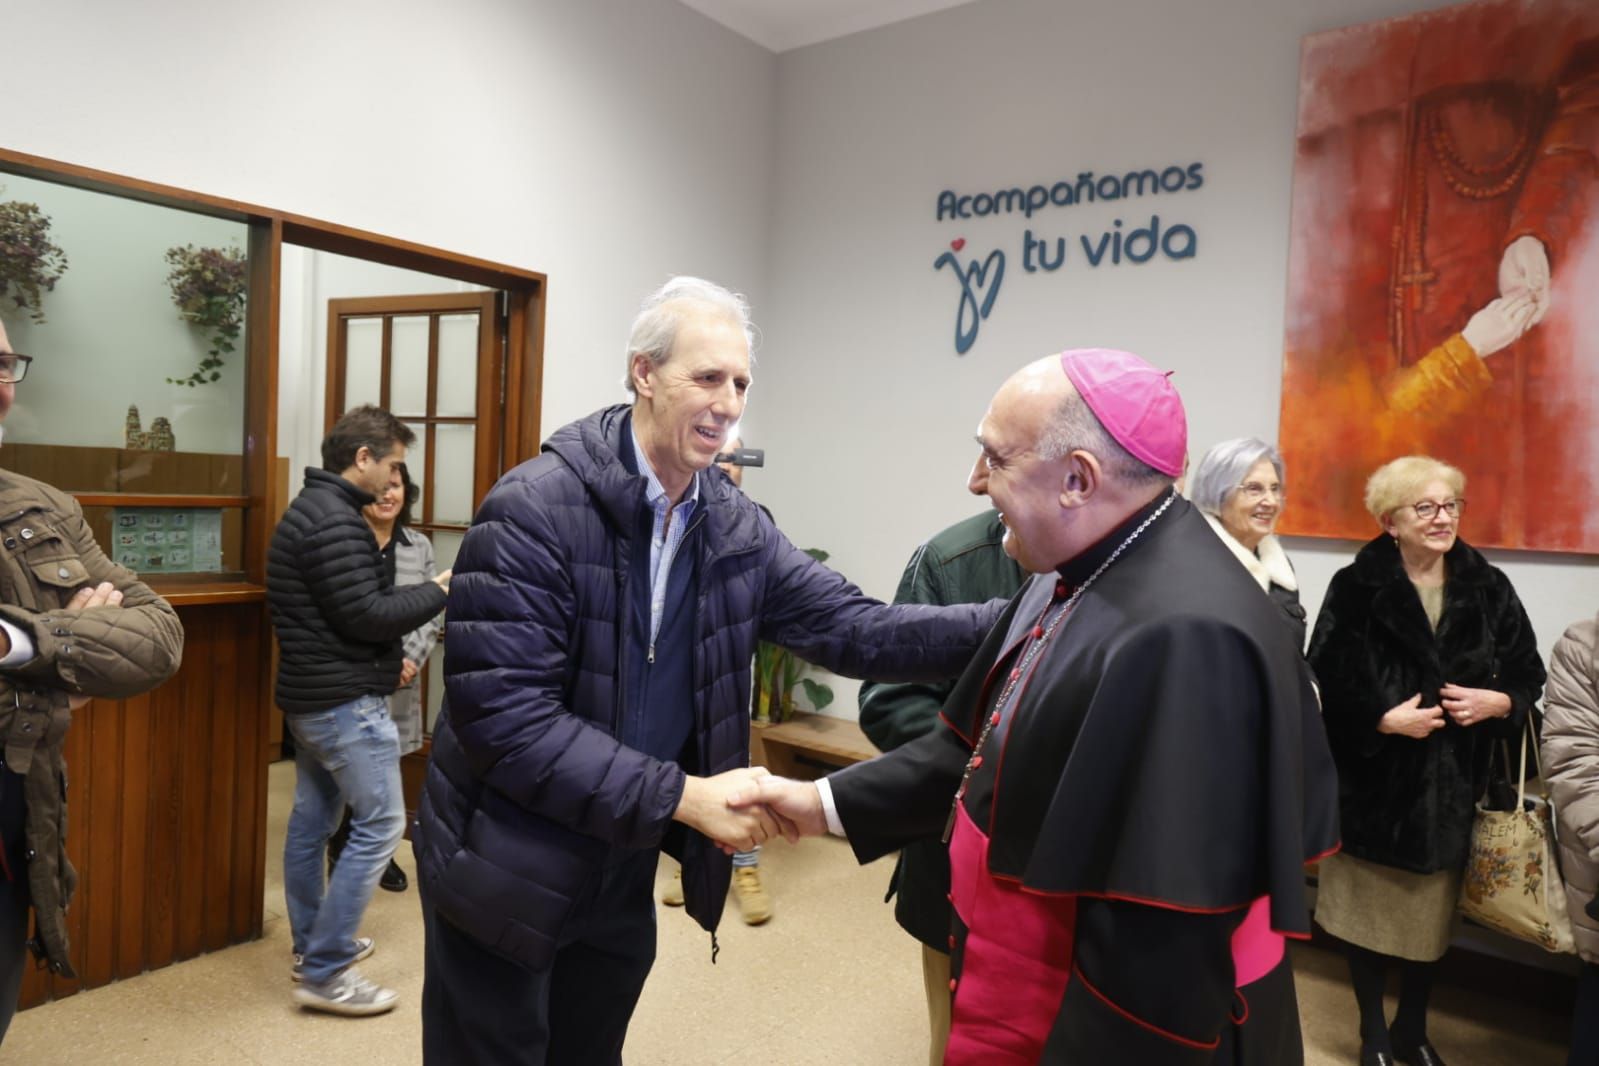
x=1136 y=758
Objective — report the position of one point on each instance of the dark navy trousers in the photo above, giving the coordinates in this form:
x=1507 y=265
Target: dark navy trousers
x=482 y=1009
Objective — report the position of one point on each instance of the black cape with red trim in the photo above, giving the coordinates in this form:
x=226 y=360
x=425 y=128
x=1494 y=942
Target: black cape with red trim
x=1167 y=748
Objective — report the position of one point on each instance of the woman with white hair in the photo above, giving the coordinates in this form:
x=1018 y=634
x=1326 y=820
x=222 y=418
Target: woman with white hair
x=1239 y=487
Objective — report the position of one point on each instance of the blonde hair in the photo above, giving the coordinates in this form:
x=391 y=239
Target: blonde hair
x=1398 y=483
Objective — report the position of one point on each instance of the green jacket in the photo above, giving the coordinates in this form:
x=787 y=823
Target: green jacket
x=964 y=564
x=47 y=553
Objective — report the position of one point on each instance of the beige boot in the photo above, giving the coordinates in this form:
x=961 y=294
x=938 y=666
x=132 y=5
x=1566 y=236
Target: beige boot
x=672 y=894
x=753 y=902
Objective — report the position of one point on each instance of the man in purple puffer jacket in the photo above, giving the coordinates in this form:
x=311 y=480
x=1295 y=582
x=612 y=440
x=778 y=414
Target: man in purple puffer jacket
x=604 y=610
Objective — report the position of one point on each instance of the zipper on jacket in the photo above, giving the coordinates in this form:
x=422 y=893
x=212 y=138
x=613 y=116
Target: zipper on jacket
x=699 y=517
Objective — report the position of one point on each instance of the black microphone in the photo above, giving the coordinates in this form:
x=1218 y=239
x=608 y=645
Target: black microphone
x=743 y=457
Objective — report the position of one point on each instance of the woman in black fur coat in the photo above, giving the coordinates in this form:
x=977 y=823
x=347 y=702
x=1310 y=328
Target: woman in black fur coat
x=1425 y=657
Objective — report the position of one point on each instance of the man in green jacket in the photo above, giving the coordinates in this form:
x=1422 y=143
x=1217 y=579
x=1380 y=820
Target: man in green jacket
x=73 y=625
x=965 y=563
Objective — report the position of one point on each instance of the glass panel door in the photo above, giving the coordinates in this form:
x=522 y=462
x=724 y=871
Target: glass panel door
x=436 y=362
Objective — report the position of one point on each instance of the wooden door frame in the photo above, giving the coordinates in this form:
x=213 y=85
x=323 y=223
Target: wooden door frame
x=269 y=230
x=494 y=359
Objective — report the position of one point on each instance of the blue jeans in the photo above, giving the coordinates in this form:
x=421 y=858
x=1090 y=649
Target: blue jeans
x=348 y=755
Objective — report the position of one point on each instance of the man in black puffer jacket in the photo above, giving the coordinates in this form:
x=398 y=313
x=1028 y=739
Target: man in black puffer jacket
x=339 y=619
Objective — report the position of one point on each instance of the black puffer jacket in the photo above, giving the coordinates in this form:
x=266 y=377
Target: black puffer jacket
x=1404 y=802
x=338 y=617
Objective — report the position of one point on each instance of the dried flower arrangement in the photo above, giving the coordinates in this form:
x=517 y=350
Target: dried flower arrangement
x=208 y=285
x=30 y=263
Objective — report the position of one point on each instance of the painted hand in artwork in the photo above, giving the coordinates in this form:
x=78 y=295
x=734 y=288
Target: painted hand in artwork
x=1501 y=323
x=1525 y=268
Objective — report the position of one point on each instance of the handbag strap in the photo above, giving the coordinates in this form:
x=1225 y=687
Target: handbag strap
x=1521 y=770
x=1529 y=737
x=1537 y=753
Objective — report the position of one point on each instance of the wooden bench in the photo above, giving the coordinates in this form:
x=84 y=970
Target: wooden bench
x=809 y=745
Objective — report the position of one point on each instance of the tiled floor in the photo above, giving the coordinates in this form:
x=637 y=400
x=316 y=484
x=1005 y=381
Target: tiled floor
x=830 y=981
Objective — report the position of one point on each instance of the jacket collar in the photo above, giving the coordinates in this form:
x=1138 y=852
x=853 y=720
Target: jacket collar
x=326 y=480
x=1267 y=564
x=1081 y=566
x=1395 y=603
x=1378 y=563
x=593 y=448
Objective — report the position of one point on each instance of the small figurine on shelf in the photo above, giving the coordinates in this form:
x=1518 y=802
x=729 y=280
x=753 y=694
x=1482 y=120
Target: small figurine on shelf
x=161 y=439
x=136 y=436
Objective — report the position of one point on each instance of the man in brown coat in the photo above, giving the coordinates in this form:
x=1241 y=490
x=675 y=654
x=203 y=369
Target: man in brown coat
x=73 y=625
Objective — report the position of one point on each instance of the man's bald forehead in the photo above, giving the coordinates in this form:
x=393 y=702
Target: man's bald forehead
x=1029 y=396
x=1042 y=376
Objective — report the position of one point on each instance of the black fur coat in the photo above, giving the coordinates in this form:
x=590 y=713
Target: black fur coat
x=1404 y=802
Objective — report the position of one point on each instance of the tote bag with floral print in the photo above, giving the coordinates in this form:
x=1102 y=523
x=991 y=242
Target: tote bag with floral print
x=1512 y=881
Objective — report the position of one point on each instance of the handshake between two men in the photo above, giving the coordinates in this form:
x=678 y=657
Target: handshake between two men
x=743 y=808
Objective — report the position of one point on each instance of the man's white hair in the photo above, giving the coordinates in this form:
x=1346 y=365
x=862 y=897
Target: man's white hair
x=660 y=316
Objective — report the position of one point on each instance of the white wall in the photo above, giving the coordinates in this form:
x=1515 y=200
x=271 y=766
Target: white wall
x=864 y=409
x=612 y=142
x=608 y=144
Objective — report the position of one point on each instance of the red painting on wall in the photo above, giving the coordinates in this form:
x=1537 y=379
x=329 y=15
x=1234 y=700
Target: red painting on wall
x=1443 y=290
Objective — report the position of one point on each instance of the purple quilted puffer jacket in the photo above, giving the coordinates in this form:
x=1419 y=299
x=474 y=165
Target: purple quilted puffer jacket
x=529 y=790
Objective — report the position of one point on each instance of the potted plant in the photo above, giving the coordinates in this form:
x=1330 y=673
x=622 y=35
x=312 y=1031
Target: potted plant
x=780 y=676
x=30 y=263
x=208 y=286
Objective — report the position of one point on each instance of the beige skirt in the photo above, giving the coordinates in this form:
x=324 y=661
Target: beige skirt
x=1396 y=912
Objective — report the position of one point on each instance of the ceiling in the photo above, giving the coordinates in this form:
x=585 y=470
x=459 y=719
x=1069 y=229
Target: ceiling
x=784 y=24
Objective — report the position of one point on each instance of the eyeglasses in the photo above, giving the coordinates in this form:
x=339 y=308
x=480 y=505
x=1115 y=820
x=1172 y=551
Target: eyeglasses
x=1426 y=510
x=1254 y=491
x=13 y=367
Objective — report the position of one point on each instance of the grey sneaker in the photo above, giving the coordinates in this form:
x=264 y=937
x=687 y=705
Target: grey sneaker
x=364 y=946
x=348 y=993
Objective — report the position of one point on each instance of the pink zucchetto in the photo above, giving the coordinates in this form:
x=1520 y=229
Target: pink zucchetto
x=1135 y=403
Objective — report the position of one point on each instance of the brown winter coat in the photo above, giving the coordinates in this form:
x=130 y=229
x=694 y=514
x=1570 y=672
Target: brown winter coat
x=1571 y=763
x=47 y=554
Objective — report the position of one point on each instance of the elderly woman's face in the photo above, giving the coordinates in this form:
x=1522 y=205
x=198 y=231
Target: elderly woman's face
x=1436 y=532
x=1251 y=510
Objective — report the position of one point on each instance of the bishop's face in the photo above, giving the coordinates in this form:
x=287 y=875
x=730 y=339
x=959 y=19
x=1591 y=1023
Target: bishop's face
x=1025 y=489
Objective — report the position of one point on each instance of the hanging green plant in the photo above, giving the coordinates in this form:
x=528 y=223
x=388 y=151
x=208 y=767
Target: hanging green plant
x=208 y=285
x=30 y=263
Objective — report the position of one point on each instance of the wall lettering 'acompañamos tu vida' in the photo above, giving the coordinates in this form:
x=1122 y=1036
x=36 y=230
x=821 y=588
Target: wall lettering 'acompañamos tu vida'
x=1130 y=240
